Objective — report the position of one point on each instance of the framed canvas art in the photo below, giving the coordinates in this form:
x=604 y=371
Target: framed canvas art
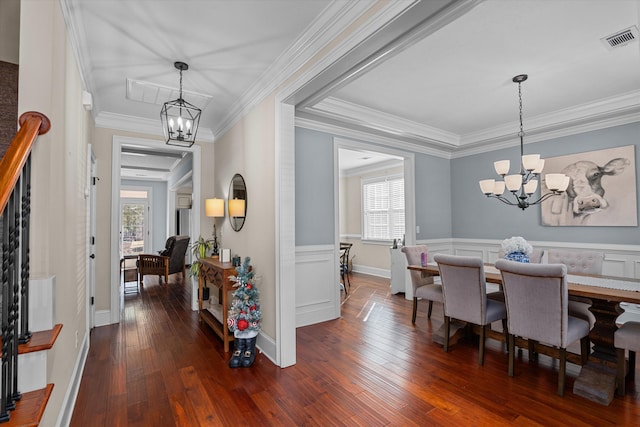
x=602 y=190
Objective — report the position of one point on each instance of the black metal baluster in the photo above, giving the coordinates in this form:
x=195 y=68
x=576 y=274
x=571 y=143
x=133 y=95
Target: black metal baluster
x=5 y=381
x=25 y=333
x=15 y=291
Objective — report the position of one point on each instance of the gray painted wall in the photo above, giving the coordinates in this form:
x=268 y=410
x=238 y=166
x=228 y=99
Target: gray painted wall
x=158 y=210
x=314 y=188
x=314 y=191
x=475 y=216
x=433 y=197
x=448 y=198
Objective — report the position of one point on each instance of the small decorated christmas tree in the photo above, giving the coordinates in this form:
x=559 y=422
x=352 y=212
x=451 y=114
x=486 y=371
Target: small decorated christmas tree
x=244 y=316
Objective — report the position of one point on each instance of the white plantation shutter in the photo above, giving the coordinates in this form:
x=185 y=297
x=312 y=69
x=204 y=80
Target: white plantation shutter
x=383 y=208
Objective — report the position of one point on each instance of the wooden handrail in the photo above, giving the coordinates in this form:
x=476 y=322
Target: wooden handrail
x=32 y=124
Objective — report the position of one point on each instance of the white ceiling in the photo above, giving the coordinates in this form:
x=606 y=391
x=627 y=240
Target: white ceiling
x=450 y=90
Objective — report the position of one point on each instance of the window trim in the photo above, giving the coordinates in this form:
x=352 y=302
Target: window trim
x=372 y=180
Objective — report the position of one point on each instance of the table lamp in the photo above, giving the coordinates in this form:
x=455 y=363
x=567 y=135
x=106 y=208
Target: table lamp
x=214 y=208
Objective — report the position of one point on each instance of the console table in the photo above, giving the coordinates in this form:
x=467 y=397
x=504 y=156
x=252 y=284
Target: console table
x=216 y=273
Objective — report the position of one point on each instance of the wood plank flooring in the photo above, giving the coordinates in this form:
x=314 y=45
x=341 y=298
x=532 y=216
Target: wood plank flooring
x=371 y=367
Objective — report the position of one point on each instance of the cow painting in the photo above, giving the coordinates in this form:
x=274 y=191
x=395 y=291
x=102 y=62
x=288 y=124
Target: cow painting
x=587 y=199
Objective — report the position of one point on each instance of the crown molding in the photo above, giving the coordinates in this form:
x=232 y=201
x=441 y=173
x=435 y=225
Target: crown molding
x=604 y=113
x=367 y=137
x=347 y=111
x=141 y=125
x=327 y=26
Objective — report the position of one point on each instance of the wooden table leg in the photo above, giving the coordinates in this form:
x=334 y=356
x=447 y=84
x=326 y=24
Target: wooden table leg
x=597 y=379
x=606 y=313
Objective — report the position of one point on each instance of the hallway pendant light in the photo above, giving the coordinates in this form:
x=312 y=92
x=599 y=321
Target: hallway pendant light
x=180 y=119
x=525 y=183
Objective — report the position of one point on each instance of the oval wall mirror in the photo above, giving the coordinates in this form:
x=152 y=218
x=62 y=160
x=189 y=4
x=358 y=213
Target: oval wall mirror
x=237 y=203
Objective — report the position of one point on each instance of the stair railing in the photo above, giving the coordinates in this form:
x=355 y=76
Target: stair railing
x=15 y=206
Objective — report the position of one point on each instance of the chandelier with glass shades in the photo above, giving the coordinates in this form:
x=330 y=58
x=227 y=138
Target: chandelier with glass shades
x=524 y=184
x=180 y=119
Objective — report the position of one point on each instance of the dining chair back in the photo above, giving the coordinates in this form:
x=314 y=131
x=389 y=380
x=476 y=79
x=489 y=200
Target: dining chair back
x=345 y=248
x=537 y=298
x=423 y=285
x=581 y=262
x=465 y=295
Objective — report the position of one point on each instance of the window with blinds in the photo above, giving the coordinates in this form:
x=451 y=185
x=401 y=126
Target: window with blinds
x=383 y=208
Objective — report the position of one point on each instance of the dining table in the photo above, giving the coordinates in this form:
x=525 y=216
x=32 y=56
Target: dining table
x=596 y=380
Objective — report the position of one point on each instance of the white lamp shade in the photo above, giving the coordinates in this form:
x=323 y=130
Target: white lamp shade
x=530 y=161
x=487 y=185
x=565 y=183
x=236 y=208
x=531 y=186
x=214 y=207
x=502 y=167
x=555 y=181
x=540 y=166
x=498 y=188
x=513 y=182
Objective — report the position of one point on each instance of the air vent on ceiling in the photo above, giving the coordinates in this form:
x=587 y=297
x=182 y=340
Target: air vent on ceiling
x=152 y=93
x=621 y=38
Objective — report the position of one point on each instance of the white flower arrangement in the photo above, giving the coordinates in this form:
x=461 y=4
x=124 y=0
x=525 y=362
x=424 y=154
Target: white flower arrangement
x=516 y=244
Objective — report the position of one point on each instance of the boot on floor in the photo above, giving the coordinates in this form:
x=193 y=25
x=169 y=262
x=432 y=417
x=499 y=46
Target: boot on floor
x=249 y=354
x=238 y=352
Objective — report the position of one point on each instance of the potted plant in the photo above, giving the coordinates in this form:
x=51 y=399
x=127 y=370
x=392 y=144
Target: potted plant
x=199 y=249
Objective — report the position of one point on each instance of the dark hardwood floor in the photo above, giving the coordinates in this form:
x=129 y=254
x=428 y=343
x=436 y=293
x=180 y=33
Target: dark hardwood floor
x=371 y=367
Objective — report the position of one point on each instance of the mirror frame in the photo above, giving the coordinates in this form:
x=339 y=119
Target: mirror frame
x=237 y=190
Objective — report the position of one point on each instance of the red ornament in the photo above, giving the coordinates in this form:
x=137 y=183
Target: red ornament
x=249 y=286
x=253 y=307
x=242 y=324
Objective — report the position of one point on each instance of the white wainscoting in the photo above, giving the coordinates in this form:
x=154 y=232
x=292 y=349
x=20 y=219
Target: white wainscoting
x=619 y=260
x=317 y=284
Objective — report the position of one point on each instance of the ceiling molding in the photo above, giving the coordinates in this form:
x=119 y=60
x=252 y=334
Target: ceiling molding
x=140 y=125
x=602 y=114
x=333 y=20
x=67 y=7
x=346 y=132
x=336 y=108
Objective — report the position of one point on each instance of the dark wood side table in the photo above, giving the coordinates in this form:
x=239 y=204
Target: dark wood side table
x=216 y=273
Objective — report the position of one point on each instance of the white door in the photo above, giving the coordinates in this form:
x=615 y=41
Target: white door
x=91 y=273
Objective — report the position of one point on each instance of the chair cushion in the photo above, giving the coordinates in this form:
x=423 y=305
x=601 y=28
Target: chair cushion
x=628 y=336
x=577 y=329
x=496 y=310
x=429 y=292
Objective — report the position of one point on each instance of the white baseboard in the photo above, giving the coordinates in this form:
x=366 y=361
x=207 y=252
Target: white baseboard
x=373 y=271
x=69 y=402
x=102 y=317
x=267 y=347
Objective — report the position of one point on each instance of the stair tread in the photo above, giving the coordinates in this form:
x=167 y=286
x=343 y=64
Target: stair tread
x=30 y=408
x=41 y=340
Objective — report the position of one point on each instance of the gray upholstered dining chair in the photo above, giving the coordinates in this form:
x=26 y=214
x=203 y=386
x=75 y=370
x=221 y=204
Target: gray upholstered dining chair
x=465 y=296
x=627 y=337
x=537 y=298
x=580 y=262
x=423 y=286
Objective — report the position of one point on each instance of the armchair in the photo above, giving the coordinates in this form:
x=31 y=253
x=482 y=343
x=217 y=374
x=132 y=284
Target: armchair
x=169 y=261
